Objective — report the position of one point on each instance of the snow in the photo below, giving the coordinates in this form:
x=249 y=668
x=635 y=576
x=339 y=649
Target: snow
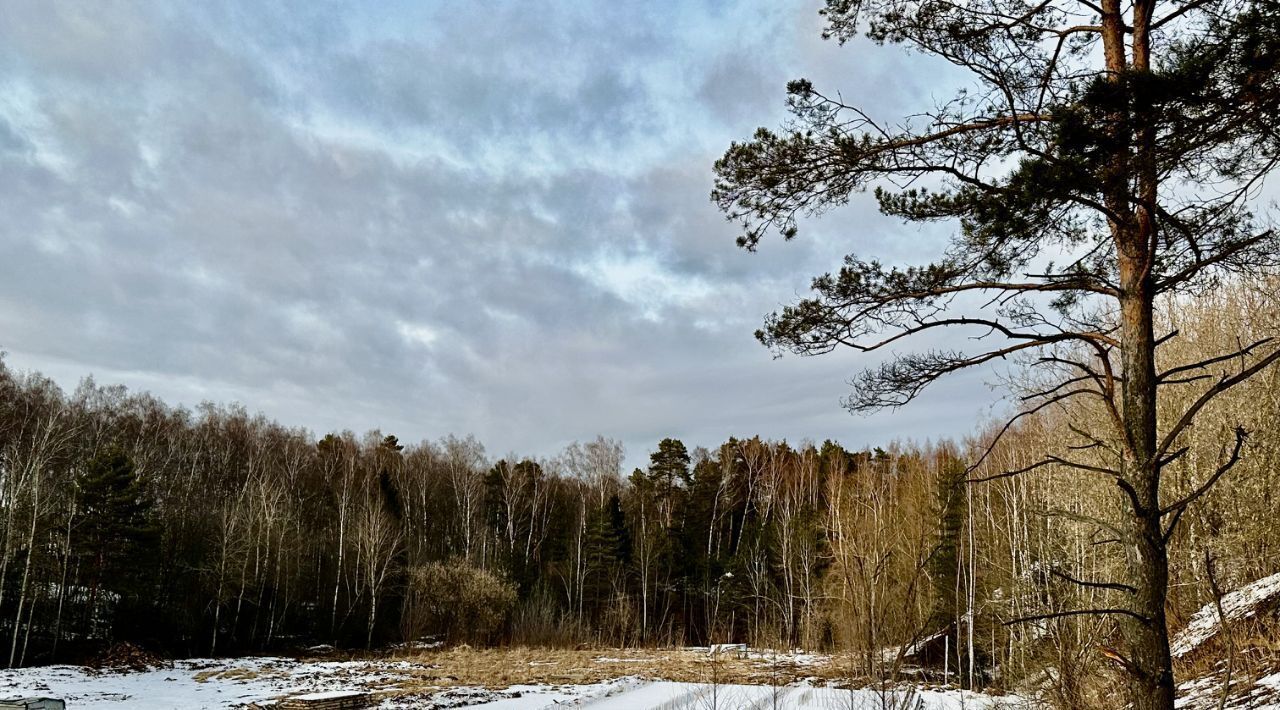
x=327 y=695
x=792 y=658
x=1205 y=693
x=719 y=648
x=237 y=682
x=195 y=683
x=1242 y=603
x=771 y=656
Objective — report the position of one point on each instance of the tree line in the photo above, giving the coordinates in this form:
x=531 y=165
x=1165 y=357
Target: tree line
x=214 y=531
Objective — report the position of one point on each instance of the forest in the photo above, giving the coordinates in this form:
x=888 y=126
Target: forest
x=1073 y=201
x=217 y=531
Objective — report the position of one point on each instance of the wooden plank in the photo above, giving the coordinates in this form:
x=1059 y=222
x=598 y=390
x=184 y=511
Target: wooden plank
x=328 y=700
x=33 y=703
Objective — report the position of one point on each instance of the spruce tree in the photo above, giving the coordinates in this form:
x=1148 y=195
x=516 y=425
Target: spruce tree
x=115 y=536
x=944 y=562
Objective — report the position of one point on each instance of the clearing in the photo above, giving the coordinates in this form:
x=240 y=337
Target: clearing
x=491 y=679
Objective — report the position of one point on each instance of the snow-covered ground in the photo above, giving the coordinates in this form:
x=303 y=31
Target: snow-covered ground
x=1247 y=693
x=1242 y=603
x=240 y=682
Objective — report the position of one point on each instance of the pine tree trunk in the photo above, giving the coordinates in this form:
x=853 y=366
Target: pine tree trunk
x=1151 y=679
x=1132 y=164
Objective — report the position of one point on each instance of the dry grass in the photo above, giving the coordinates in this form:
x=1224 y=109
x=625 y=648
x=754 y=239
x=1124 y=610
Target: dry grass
x=504 y=667
x=228 y=674
x=409 y=675
x=1257 y=654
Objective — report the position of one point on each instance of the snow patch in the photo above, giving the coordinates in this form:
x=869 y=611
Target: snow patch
x=1243 y=603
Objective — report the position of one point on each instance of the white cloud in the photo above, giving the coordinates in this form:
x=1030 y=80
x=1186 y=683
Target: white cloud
x=417 y=334
x=496 y=224
x=643 y=282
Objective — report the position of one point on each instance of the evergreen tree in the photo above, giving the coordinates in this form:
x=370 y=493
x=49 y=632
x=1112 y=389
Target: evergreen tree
x=618 y=525
x=669 y=466
x=389 y=460
x=115 y=536
x=944 y=563
x=603 y=559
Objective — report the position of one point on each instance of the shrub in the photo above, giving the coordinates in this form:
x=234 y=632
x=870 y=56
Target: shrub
x=457 y=600
x=539 y=621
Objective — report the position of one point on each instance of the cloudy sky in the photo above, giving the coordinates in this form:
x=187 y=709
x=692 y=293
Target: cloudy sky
x=431 y=217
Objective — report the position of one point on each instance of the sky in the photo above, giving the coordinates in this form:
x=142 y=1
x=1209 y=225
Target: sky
x=434 y=217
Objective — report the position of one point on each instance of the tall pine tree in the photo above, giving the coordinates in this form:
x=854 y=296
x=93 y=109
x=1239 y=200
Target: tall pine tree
x=115 y=536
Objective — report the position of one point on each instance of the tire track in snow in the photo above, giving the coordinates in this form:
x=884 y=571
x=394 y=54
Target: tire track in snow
x=608 y=695
x=773 y=699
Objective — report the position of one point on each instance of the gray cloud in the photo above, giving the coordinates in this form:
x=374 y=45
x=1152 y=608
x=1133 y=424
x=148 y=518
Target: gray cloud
x=492 y=221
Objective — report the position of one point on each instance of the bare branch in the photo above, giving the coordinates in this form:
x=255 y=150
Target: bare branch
x=1194 y=5
x=1087 y=520
x=1039 y=339
x=1223 y=385
x=1213 y=360
x=1009 y=424
x=1232 y=460
x=1223 y=622
x=1010 y=474
x=1077 y=612
x=1166 y=460
x=1199 y=264
x=1095 y=585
